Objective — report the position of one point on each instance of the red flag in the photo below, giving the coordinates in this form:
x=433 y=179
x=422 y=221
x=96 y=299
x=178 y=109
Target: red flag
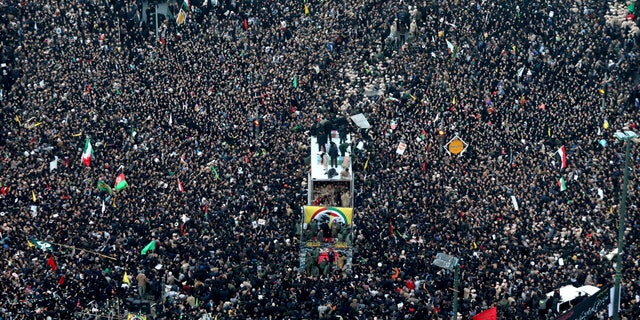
x=489 y=314
x=4 y=190
x=180 y=186
x=89 y=88
x=391 y=229
x=61 y=281
x=246 y=158
x=245 y=24
x=424 y=166
x=52 y=263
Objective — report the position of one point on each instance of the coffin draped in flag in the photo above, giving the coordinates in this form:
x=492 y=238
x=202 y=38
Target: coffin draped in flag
x=489 y=314
x=562 y=154
x=87 y=153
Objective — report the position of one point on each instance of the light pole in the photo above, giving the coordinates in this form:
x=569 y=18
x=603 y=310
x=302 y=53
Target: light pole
x=449 y=262
x=626 y=137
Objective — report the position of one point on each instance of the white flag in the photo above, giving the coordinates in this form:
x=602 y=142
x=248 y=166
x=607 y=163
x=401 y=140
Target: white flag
x=104 y=208
x=53 y=164
x=520 y=72
x=515 y=203
x=450 y=45
x=170 y=120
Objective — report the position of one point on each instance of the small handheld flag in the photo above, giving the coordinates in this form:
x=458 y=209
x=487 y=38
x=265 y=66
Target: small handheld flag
x=87 y=154
x=563 y=157
x=150 y=247
x=215 y=172
x=52 y=263
x=562 y=184
x=121 y=183
x=180 y=186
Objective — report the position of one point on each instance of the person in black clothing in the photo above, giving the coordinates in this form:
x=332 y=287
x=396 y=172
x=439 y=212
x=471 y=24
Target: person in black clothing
x=342 y=133
x=333 y=153
x=322 y=141
x=328 y=126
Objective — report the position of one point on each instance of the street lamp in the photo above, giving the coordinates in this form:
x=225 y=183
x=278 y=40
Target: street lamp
x=449 y=262
x=626 y=137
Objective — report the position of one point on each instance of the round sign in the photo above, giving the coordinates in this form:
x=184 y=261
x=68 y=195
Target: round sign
x=456 y=146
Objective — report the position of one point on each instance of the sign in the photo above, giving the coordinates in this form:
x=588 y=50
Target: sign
x=360 y=121
x=340 y=245
x=313 y=244
x=262 y=222
x=456 y=146
x=588 y=307
x=401 y=147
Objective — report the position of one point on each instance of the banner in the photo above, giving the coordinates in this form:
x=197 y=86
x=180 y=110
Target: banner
x=588 y=307
x=43 y=245
x=361 y=121
x=331 y=214
x=181 y=17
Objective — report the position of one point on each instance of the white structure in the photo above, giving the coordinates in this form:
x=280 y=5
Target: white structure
x=318 y=172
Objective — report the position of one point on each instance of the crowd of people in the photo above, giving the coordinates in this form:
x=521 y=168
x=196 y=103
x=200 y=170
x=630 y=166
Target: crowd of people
x=209 y=121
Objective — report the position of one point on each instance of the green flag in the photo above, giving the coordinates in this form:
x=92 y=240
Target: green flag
x=295 y=82
x=215 y=172
x=102 y=186
x=41 y=244
x=632 y=7
x=150 y=246
x=171 y=17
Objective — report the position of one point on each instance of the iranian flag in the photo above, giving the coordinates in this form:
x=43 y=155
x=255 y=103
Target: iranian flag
x=121 y=183
x=562 y=184
x=562 y=152
x=87 y=154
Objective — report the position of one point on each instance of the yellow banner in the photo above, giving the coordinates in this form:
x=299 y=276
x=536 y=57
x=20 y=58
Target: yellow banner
x=329 y=214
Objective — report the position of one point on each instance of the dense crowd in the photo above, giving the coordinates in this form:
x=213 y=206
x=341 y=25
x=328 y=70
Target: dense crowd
x=210 y=120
